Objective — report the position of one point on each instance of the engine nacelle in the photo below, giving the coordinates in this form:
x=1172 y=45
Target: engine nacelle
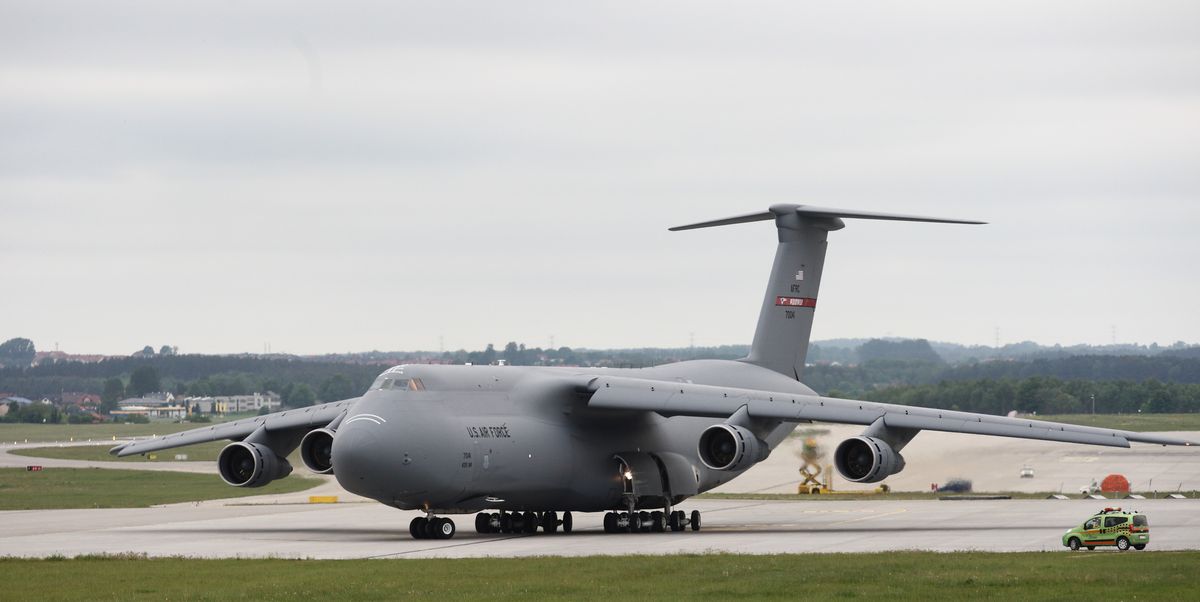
x=730 y=447
x=244 y=464
x=867 y=460
x=316 y=450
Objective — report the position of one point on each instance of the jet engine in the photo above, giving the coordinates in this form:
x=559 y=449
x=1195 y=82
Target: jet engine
x=316 y=450
x=244 y=464
x=867 y=459
x=731 y=447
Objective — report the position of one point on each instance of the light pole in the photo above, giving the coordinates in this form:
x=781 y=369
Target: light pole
x=1093 y=403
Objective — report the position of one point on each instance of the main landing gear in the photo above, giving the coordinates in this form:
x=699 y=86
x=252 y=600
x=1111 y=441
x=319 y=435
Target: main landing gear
x=431 y=527
x=647 y=522
x=518 y=522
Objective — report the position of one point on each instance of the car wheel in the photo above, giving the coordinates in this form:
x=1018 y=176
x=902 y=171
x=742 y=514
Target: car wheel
x=1073 y=543
x=1139 y=546
x=1122 y=544
x=1090 y=548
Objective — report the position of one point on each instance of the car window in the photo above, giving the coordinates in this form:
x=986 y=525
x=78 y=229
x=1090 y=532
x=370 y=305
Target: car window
x=1092 y=523
x=1113 y=521
x=1139 y=520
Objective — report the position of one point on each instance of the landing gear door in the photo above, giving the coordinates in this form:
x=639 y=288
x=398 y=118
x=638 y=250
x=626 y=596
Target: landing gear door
x=683 y=481
x=639 y=475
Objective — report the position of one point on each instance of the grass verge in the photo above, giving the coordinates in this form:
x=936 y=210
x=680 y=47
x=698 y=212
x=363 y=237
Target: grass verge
x=1131 y=422
x=20 y=432
x=880 y=576
x=201 y=452
x=53 y=488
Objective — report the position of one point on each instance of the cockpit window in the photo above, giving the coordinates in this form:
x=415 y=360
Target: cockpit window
x=397 y=383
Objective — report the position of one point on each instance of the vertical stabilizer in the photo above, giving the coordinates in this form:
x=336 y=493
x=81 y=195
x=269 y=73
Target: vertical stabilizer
x=785 y=320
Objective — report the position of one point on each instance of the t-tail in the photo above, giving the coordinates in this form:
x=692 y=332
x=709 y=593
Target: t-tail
x=785 y=321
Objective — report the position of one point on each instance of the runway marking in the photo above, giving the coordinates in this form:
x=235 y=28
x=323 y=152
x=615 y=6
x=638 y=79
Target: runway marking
x=453 y=545
x=869 y=517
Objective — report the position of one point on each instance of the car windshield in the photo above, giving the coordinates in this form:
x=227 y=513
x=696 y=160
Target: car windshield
x=1139 y=520
x=1092 y=523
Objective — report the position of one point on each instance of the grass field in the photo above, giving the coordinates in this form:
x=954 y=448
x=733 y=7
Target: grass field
x=105 y=432
x=890 y=576
x=82 y=432
x=106 y=488
x=1132 y=422
x=201 y=452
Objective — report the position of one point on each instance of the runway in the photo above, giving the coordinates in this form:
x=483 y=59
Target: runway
x=368 y=530
x=287 y=527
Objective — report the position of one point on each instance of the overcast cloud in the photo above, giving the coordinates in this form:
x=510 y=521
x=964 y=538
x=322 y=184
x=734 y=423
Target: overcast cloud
x=402 y=175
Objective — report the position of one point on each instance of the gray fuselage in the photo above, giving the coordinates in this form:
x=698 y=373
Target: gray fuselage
x=522 y=438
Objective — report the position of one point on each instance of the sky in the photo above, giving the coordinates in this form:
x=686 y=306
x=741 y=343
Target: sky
x=315 y=177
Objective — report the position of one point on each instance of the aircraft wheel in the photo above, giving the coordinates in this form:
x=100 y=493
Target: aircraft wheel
x=531 y=522
x=568 y=523
x=483 y=523
x=632 y=526
x=515 y=523
x=431 y=528
x=550 y=522
x=416 y=528
x=1122 y=543
x=674 y=522
x=644 y=521
x=494 y=522
x=443 y=528
x=695 y=520
x=610 y=522
x=657 y=524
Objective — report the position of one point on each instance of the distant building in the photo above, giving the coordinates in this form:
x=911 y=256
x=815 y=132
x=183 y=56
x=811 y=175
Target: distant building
x=168 y=412
x=83 y=400
x=151 y=400
x=234 y=404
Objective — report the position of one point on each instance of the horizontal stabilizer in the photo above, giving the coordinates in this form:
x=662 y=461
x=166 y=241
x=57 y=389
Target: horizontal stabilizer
x=819 y=212
x=740 y=219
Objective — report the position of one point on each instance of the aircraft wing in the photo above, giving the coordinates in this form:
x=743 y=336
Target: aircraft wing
x=303 y=418
x=683 y=399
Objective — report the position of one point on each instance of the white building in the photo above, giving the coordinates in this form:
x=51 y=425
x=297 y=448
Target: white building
x=234 y=404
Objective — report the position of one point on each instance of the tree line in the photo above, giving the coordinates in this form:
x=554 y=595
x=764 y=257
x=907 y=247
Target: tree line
x=1045 y=395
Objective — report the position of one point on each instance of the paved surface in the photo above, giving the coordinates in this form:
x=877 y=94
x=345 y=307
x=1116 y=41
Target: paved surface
x=368 y=530
x=285 y=526
x=992 y=464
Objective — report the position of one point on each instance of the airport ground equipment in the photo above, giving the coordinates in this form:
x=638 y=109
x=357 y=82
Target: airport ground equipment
x=1110 y=527
x=524 y=444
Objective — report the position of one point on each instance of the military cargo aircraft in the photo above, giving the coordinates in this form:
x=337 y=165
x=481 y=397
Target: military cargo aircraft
x=524 y=447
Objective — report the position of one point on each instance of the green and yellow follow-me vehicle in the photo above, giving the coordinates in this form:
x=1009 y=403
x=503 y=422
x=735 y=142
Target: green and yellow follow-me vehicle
x=1111 y=527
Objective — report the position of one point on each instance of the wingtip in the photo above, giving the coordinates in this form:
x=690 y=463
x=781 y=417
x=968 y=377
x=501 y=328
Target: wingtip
x=116 y=449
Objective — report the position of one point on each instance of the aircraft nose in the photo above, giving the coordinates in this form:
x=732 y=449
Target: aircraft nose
x=358 y=458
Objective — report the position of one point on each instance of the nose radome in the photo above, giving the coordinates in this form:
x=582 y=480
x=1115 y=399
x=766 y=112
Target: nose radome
x=358 y=458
